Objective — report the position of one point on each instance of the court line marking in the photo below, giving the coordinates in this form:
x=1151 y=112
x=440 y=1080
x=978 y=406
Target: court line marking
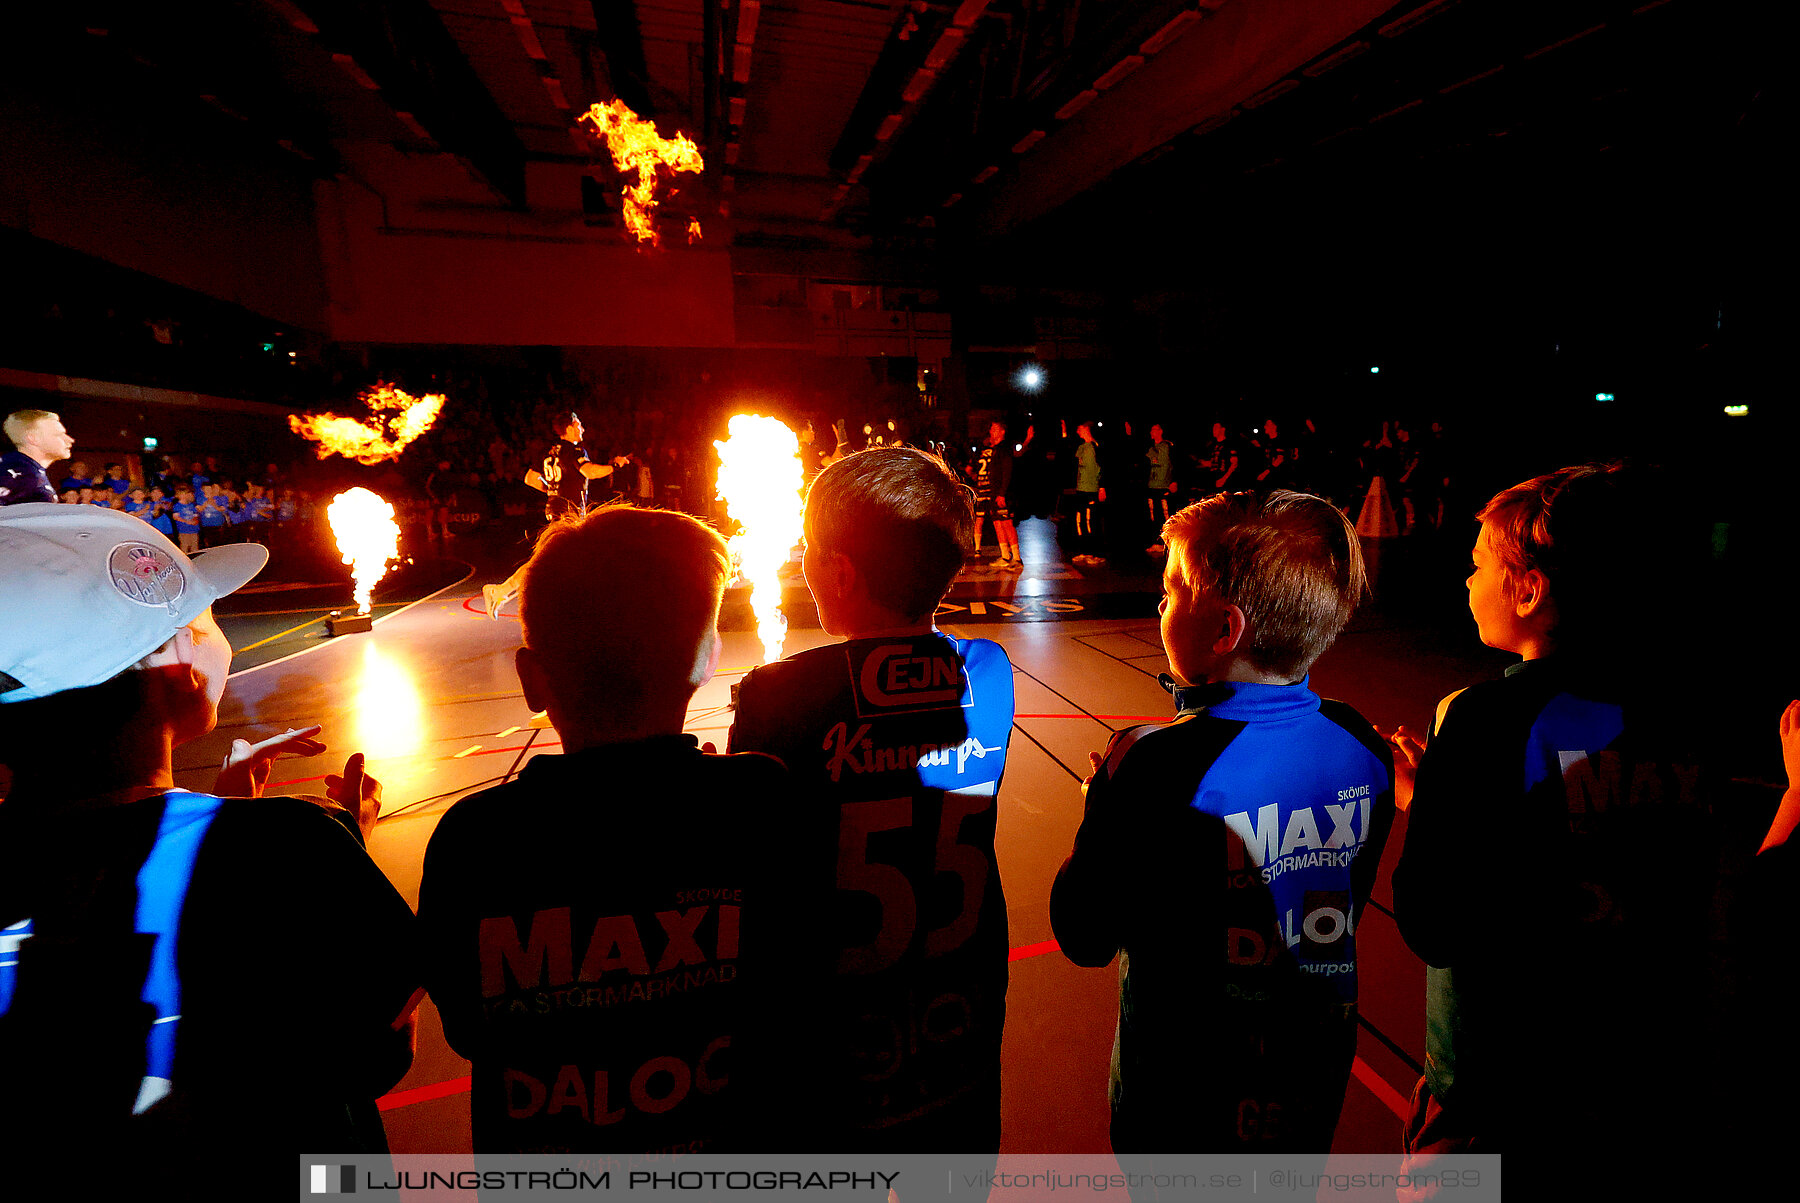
x=302 y=610
x=312 y=622
x=1379 y=1087
x=320 y=646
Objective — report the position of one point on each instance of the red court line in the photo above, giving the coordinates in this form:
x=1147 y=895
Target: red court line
x=481 y=610
x=1129 y=718
x=422 y=1094
x=1378 y=1086
x=1032 y=950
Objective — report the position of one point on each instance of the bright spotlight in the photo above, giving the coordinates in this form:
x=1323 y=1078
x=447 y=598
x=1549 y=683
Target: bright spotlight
x=1603 y=396
x=1735 y=411
x=1030 y=378
x=1375 y=369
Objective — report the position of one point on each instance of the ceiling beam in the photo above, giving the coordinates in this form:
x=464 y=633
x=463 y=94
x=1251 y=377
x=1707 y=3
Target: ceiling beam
x=402 y=47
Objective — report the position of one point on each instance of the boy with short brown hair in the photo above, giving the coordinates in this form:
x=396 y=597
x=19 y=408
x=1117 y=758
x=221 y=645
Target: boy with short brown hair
x=1563 y=845
x=897 y=740
x=597 y=929
x=1227 y=856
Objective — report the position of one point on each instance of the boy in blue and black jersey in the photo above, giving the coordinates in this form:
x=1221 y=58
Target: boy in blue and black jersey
x=1227 y=855
x=897 y=741
x=1566 y=863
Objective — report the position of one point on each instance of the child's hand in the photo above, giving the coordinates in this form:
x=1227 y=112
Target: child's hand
x=1787 y=814
x=1407 y=751
x=247 y=766
x=1790 y=743
x=356 y=792
x=1095 y=760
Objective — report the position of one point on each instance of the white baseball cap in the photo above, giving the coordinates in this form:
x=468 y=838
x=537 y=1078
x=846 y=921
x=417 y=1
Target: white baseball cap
x=85 y=593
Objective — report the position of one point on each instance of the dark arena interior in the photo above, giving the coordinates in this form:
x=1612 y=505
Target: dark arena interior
x=1397 y=256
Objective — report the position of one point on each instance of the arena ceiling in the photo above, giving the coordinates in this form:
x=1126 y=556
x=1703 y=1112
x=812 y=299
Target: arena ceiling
x=909 y=123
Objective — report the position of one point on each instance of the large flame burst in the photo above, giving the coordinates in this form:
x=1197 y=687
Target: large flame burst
x=395 y=419
x=637 y=147
x=367 y=537
x=760 y=478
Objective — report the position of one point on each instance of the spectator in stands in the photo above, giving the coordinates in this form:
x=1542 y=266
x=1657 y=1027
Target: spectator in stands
x=39 y=440
x=214 y=525
x=186 y=515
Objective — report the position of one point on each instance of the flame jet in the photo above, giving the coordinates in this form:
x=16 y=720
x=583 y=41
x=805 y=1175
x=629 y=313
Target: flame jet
x=760 y=478
x=396 y=418
x=637 y=148
x=367 y=537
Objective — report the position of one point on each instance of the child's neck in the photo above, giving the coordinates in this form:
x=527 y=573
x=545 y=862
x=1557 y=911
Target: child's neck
x=579 y=733
x=898 y=631
x=137 y=762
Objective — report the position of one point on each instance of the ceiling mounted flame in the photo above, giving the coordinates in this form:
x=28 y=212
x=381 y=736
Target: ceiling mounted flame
x=395 y=419
x=760 y=478
x=367 y=537
x=637 y=148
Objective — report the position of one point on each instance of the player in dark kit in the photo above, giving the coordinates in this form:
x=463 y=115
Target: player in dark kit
x=562 y=477
x=993 y=481
x=897 y=742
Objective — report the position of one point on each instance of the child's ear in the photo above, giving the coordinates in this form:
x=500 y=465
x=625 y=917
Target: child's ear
x=840 y=574
x=706 y=661
x=1531 y=593
x=1230 y=631
x=531 y=679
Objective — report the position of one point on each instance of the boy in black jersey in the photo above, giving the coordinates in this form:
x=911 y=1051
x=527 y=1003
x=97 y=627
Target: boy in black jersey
x=1563 y=851
x=897 y=741
x=150 y=936
x=1227 y=856
x=598 y=931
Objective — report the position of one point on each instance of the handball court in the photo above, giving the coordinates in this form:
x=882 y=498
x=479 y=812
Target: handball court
x=429 y=695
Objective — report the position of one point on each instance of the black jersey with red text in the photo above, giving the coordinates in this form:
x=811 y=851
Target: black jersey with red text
x=897 y=747
x=564 y=480
x=598 y=935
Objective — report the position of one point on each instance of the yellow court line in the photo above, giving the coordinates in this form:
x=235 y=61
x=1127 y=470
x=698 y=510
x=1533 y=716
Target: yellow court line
x=271 y=639
x=301 y=610
x=510 y=731
x=467 y=752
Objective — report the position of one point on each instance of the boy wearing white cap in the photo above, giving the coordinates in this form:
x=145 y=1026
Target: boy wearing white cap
x=151 y=936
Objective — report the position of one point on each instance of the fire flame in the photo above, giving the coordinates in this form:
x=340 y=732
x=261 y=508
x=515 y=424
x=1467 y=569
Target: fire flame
x=637 y=147
x=396 y=419
x=760 y=478
x=367 y=537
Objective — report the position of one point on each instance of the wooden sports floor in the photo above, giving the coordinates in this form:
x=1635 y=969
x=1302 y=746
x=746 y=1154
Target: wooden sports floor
x=430 y=697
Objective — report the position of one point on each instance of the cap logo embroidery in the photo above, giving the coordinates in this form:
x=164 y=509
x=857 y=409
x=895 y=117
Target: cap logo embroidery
x=146 y=575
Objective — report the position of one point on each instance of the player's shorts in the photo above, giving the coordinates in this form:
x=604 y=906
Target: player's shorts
x=987 y=507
